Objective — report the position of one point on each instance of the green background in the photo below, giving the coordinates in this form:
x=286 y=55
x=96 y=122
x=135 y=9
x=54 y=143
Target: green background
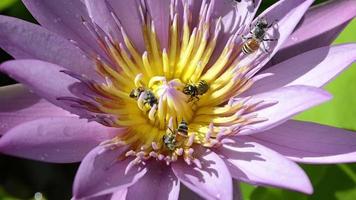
x=21 y=179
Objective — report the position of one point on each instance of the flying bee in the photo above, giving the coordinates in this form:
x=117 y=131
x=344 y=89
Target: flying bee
x=258 y=33
x=150 y=98
x=135 y=93
x=172 y=137
x=194 y=90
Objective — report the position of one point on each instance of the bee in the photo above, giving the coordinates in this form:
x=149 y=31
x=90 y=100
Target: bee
x=258 y=33
x=183 y=128
x=171 y=138
x=150 y=98
x=135 y=93
x=194 y=90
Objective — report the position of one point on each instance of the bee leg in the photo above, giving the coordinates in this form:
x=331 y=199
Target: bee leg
x=196 y=99
x=269 y=39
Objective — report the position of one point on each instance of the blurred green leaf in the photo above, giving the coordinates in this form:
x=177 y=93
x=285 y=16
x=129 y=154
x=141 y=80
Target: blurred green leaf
x=340 y=111
x=4 y=4
x=5 y=196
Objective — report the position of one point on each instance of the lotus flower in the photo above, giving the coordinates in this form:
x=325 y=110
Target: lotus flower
x=152 y=94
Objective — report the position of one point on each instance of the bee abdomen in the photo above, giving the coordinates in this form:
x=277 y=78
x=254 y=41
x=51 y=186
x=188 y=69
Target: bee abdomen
x=203 y=87
x=183 y=128
x=250 y=46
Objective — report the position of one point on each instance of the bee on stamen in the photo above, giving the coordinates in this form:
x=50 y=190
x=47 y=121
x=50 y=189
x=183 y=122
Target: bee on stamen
x=196 y=90
x=150 y=98
x=258 y=33
x=135 y=93
x=183 y=128
x=171 y=139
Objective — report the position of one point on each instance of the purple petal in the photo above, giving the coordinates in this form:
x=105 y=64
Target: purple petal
x=128 y=13
x=101 y=172
x=291 y=101
x=255 y=164
x=233 y=15
x=45 y=79
x=313 y=68
x=65 y=18
x=18 y=105
x=55 y=139
x=119 y=195
x=100 y=14
x=288 y=13
x=163 y=184
x=213 y=181
x=310 y=143
x=319 y=27
x=159 y=9
x=24 y=40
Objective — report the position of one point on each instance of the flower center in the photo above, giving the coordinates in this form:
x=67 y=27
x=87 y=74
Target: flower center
x=174 y=100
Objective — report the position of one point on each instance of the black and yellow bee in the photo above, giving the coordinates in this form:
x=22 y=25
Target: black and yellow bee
x=150 y=98
x=135 y=93
x=171 y=140
x=195 y=90
x=258 y=33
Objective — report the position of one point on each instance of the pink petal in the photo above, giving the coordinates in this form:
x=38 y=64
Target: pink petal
x=313 y=68
x=24 y=40
x=213 y=181
x=288 y=13
x=255 y=164
x=18 y=105
x=101 y=172
x=319 y=27
x=55 y=139
x=64 y=18
x=163 y=184
x=45 y=79
x=310 y=143
x=291 y=101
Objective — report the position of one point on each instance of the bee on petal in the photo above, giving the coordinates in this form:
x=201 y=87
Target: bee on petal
x=257 y=37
